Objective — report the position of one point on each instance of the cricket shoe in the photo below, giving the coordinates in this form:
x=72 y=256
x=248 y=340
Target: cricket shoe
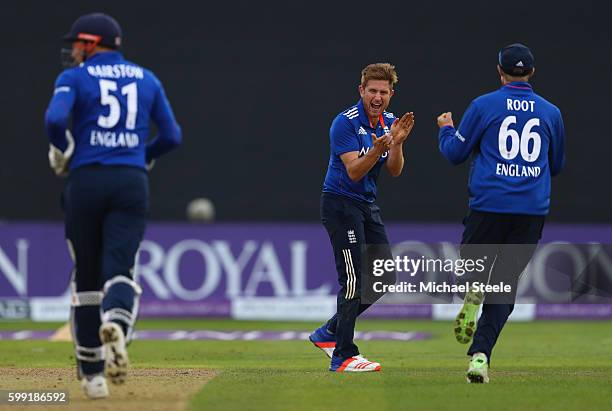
x=116 y=360
x=478 y=371
x=324 y=340
x=95 y=386
x=353 y=364
x=465 y=322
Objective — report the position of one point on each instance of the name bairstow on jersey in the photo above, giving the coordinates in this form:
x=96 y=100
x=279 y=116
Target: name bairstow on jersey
x=116 y=71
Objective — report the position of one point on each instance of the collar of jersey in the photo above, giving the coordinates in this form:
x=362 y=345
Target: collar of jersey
x=363 y=118
x=105 y=56
x=519 y=85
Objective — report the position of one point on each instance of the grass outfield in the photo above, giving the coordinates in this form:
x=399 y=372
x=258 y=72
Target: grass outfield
x=536 y=366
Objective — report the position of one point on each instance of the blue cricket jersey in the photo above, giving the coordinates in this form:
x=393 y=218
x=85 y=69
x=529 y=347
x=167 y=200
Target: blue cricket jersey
x=517 y=139
x=350 y=131
x=111 y=101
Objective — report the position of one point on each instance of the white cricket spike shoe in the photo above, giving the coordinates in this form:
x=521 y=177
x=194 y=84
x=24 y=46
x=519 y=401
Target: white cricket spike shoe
x=116 y=360
x=357 y=363
x=95 y=386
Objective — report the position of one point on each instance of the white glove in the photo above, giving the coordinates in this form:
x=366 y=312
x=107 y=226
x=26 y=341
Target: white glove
x=59 y=160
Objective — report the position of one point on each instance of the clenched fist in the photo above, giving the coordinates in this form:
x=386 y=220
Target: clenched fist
x=445 y=119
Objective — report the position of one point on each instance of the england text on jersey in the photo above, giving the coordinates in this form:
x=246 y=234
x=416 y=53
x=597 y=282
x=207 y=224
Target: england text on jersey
x=516 y=170
x=112 y=139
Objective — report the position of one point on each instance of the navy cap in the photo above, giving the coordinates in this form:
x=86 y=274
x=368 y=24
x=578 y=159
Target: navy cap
x=516 y=59
x=98 y=27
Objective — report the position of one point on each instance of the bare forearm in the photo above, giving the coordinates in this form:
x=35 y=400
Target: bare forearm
x=395 y=162
x=359 y=167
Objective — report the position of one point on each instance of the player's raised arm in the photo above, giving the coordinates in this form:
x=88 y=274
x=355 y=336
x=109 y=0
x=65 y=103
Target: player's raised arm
x=169 y=132
x=457 y=144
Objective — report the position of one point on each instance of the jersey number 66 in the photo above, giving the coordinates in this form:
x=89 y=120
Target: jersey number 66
x=519 y=143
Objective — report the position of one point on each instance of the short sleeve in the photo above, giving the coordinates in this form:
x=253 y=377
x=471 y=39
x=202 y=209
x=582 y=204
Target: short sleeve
x=342 y=136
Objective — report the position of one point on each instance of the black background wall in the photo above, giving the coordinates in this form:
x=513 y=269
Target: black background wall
x=255 y=86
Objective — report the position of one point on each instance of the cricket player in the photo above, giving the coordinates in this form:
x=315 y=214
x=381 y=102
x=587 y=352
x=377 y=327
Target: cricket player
x=107 y=101
x=516 y=142
x=364 y=138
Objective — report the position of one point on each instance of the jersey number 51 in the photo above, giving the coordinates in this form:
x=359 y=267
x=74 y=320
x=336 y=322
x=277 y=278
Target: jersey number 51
x=114 y=112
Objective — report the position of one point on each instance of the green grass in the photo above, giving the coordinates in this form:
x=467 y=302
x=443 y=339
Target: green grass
x=536 y=366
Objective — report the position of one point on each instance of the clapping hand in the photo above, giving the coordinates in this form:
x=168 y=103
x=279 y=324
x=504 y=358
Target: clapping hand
x=401 y=128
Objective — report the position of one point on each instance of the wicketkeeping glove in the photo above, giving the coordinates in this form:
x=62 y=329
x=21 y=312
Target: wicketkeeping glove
x=59 y=160
x=150 y=165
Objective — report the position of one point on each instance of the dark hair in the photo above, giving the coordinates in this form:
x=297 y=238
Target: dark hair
x=518 y=71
